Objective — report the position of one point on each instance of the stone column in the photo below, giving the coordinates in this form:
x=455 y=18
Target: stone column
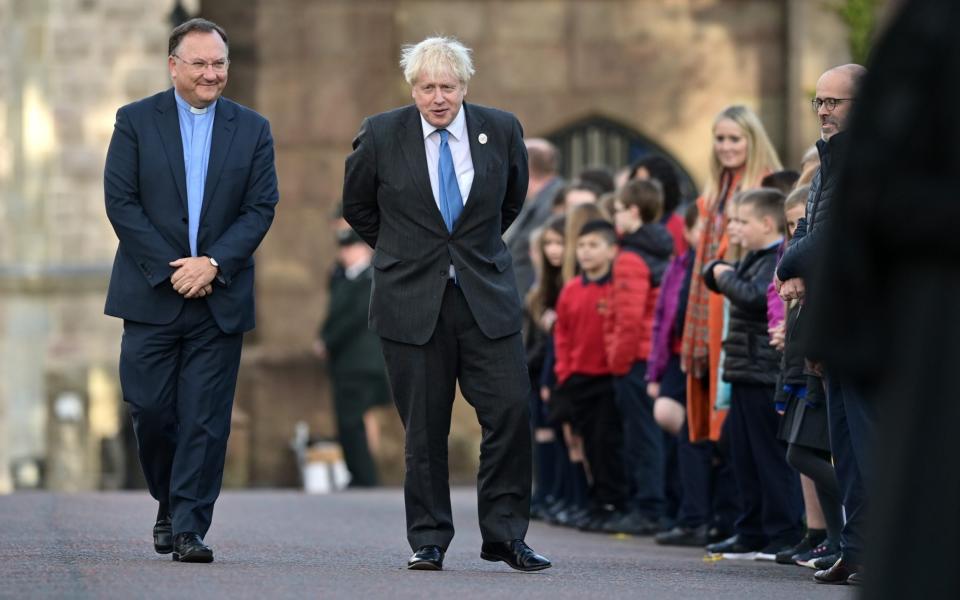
x=817 y=40
x=65 y=68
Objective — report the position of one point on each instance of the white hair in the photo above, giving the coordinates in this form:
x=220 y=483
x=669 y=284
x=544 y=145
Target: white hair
x=434 y=56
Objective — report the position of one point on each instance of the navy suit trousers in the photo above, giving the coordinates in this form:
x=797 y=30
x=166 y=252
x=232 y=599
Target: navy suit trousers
x=642 y=443
x=179 y=381
x=772 y=506
x=852 y=420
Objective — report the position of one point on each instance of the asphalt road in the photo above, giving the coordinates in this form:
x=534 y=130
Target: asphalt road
x=284 y=544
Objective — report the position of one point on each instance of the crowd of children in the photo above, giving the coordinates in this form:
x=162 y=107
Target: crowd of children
x=672 y=397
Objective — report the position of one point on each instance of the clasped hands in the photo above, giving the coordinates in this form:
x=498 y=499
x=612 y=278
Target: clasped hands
x=791 y=289
x=193 y=276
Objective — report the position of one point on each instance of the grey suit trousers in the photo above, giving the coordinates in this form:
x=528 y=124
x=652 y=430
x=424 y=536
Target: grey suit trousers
x=493 y=379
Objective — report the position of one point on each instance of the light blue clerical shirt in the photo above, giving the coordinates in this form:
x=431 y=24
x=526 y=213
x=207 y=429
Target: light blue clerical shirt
x=196 y=132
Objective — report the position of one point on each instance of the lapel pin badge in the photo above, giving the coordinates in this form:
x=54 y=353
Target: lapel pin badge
x=482 y=138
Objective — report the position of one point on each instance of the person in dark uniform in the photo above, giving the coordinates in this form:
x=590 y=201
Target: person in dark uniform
x=354 y=359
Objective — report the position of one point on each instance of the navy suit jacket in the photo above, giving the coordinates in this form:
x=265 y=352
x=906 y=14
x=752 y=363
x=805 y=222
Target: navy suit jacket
x=387 y=199
x=146 y=199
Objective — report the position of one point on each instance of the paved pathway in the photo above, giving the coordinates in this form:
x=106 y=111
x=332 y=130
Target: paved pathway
x=283 y=544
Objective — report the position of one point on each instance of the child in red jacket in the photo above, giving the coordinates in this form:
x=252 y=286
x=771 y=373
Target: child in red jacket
x=645 y=250
x=584 y=382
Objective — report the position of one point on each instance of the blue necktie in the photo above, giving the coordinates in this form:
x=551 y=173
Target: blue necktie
x=451 y=202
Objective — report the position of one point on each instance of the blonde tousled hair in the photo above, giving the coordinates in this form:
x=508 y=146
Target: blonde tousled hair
x=762 y=158
x=437 y=55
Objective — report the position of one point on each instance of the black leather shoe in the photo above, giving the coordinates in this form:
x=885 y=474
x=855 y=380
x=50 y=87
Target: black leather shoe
x=163 y=536
x=717 y=533
x=683 y=536
x=838 y=574
x=633 y=524
x=427 y=558
x=736 y=547
x=189 y=547
x=515 y=553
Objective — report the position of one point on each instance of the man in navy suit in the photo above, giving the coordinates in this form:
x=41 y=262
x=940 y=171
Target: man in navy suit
x=432 y=187
x=190 y=190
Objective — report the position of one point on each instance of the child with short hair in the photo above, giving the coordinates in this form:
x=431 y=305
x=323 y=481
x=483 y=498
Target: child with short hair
x=576 y=218
x=770 y=519
x=584 y=380
x=645 y=249
x=804 y=427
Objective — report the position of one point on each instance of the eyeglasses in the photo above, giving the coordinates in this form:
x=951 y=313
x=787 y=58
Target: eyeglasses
x=831 y=103
x=199 y=66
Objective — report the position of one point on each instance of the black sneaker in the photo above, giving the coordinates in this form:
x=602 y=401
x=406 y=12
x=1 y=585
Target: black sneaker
x=600 y=519
x=735 y=548
x=811 y=540
x=826 y=549
x=683 y=536
x=537 y=511
x=553 y=509
x=716 y=533
x=632 y=523
x=771 y=550
x=578 y=518
x=825 y=562
x=568 y=516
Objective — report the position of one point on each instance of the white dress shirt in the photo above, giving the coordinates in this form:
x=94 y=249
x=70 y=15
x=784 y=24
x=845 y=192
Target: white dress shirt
x=356 y=270
x=459 y=148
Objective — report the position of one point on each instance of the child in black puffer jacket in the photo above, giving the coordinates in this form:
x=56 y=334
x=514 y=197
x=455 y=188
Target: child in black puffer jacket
x=771 y=503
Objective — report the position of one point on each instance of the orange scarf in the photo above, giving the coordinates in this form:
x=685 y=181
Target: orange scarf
x=695 y=355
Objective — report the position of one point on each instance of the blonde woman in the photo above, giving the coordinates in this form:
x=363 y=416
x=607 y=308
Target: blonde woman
x=742 y=156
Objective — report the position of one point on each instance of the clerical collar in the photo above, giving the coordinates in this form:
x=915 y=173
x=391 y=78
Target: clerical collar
x=193 y=109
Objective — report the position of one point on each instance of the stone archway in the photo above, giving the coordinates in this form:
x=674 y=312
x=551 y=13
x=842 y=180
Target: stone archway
x=599 y=141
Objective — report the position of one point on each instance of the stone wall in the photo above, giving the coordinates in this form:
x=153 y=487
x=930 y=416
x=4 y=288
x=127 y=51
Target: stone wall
x=65 y=68
x=316 y=68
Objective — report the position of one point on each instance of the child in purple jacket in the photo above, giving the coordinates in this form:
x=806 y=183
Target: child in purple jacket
x=666 y=383
x=665 y=380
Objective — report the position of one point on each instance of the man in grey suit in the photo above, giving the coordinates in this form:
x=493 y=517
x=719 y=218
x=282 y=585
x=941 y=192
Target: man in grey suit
x=432 y=187
x=542 y=189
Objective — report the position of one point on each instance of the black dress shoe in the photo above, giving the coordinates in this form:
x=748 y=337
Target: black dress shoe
x=163 y=536
x=189 y=547
x=683 y=536
x=838 y=574
x=427 y=558
x=736 y=548
x=515 y=553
